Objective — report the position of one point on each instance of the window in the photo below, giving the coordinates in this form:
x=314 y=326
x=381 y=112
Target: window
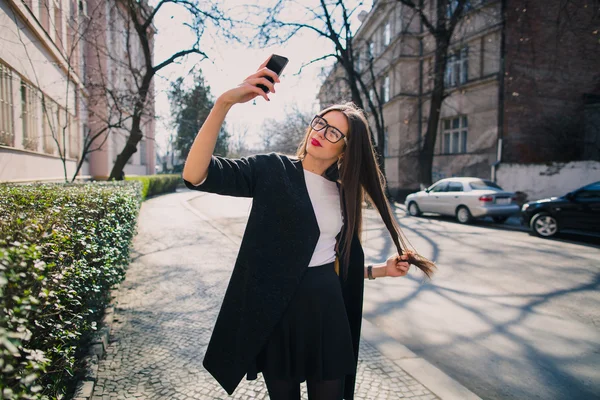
x=370 y=49
x=484 y=184
x=86 y=135
x=454 y=135
x=72 y=28
x=143 y=151
x=7 y=133
x=49 y=125
x=385 y=89
x=58 y=24
x=439 y=187
x=45 y=14
x=455 y=187
x=387 y=33
x=357 y=61
x=457 y=68
x=399 y=21
x=589 y=193
x=62 y=132
x=452 y=4
x=74 y=136
x=386 y=151
x=29 y=110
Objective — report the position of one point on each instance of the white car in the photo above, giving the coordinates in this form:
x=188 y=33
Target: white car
x=465 y=198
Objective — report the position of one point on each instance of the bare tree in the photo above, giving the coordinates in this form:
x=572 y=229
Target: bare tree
x=237 y=143
x=441 y=25
x=139 y=33
x=284 y=135
x=329 y=20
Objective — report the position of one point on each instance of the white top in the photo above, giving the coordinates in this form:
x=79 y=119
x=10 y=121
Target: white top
x=325 y=199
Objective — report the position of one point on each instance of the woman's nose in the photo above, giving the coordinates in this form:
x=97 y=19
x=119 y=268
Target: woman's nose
x=321 y=134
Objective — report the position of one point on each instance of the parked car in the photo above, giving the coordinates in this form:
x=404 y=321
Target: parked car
x=576 y=210
x=465 y=198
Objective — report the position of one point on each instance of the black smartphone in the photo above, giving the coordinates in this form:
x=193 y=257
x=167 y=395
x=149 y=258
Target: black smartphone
x=276 y=64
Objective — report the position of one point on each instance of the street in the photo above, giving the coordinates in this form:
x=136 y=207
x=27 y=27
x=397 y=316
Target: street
x=508 y=315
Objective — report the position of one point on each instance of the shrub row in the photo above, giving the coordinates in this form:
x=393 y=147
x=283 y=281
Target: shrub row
x=62 y=248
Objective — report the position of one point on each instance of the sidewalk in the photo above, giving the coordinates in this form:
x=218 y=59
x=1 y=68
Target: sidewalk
x=167 y=306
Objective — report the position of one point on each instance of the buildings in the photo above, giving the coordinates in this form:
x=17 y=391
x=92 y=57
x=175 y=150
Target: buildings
x=64 y=72
x=522 y=86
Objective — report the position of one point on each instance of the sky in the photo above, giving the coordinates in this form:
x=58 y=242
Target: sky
x=229 y=64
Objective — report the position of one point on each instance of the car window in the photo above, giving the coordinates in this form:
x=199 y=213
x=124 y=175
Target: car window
x=592 y=186
x=588 y=195
x=455 y=187
x=440 y=187
x=484 y=184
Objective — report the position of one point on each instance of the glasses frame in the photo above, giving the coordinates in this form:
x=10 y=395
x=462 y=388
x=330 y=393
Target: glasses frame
x=327 y=126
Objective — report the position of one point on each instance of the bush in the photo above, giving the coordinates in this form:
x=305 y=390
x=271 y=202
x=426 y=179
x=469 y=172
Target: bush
x=156 y=184
x=62 y=248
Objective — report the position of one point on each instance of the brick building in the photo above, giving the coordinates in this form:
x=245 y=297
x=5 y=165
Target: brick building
x=511 y=76
x=51 y=53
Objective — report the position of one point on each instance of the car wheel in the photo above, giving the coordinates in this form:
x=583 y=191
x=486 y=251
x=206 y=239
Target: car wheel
x=499 y=220
x=463 y=215
x=544 y=225
x=413 y=209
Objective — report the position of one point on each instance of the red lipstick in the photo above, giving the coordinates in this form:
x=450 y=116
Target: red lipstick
x=315 y=142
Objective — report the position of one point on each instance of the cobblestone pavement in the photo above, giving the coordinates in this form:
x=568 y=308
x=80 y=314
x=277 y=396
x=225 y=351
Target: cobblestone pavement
x=166 y=309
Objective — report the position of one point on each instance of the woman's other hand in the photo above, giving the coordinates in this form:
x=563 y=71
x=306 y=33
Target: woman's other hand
x=247 y=90
x=397 y=265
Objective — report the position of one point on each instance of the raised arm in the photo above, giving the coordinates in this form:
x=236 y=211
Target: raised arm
x=200 y=157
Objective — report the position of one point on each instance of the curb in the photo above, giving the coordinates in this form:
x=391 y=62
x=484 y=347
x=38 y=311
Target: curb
x=84 y=389
x=433 y=378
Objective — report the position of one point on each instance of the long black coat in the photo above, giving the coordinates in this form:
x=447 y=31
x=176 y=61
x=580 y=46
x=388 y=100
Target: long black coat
x=275 y=251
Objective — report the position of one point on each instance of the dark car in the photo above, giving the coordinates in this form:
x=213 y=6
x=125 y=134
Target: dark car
x=577 y=210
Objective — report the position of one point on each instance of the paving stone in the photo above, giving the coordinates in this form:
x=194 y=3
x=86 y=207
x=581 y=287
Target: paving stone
x=167 y=307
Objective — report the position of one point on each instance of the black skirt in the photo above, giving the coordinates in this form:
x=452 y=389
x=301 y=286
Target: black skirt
x=312 y=339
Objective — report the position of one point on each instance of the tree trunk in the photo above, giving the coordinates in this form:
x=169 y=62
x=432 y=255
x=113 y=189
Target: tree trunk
x=136 y=133
x=437 y=98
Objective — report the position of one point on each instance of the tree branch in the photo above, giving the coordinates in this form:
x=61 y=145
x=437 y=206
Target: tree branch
x=178 y=55
x=314 y=61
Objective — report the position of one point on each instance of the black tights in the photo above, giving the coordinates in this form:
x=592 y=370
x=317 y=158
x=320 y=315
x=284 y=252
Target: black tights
x=317 y=390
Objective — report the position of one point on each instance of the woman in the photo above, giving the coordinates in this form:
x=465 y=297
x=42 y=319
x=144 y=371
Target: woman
x=293 y=305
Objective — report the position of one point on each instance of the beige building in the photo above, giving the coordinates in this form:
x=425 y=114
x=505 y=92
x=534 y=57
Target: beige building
x=513 y=95
x=402 y=52
x=53 y=53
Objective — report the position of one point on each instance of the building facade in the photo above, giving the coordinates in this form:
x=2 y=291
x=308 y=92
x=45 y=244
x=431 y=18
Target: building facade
x=49 y=102
x=495 y=92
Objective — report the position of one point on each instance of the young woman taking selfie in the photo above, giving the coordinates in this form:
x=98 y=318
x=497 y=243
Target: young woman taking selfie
x=293 y=305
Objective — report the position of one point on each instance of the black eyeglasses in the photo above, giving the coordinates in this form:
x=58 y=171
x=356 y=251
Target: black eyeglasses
x=332 y=134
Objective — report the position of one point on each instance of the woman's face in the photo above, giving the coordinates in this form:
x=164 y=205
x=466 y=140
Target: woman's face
x=319 y=147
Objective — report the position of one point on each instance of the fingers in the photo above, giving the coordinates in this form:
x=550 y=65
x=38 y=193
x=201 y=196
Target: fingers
x=262 y=81
x=258 y=91
x=403 y=268
x=265 y=72
x=261 y=92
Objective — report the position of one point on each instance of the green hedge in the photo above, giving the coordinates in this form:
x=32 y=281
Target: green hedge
x=62 y=247
x=156 y=184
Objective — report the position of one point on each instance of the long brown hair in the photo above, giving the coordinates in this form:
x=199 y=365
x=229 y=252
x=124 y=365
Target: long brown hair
x=359 y=174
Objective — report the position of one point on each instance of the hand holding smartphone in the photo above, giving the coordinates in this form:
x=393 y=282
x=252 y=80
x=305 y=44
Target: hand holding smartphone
x=276 y=64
